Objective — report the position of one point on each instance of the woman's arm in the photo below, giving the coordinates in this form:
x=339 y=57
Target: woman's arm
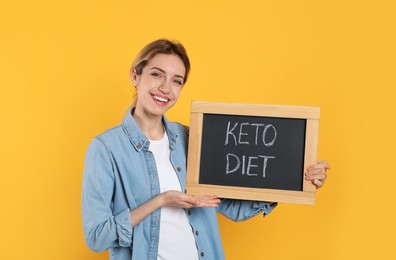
x=103 y=228
x=171 y=199
x=239 y=210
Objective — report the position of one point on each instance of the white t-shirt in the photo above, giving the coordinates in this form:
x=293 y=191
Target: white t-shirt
x=176 y=239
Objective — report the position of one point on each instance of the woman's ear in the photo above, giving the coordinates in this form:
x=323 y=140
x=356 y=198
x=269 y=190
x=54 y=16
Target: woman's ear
x=134 y=77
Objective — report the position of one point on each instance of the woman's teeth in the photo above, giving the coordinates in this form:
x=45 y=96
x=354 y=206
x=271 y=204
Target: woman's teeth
x=161 y=99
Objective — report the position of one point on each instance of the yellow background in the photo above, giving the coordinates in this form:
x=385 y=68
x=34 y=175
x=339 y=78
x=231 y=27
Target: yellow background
x=64 y=78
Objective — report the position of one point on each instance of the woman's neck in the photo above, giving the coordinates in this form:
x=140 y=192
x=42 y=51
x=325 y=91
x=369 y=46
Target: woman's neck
x=151 y=127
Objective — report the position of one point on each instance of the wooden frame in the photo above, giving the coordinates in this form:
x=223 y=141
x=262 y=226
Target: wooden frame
x=199 y=108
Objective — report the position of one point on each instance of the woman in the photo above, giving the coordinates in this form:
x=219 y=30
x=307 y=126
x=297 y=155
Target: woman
x=134 y=178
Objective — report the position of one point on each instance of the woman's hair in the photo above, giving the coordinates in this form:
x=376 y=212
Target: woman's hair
x=161 y=46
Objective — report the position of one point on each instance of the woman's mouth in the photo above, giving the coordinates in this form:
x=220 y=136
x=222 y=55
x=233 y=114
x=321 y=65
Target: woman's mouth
x=161 y=99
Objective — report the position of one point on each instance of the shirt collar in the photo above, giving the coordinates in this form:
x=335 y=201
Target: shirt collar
x=138 y=139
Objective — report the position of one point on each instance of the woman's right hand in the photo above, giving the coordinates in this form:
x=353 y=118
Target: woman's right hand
x=171 y=199
x=178 y=199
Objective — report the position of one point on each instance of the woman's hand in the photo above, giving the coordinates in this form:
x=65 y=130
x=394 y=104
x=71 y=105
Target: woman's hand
x=171 y=199
x=317 y=173
x=181 y=200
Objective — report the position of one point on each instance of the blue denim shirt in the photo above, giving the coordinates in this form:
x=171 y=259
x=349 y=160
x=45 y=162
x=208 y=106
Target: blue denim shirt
x=120 y=174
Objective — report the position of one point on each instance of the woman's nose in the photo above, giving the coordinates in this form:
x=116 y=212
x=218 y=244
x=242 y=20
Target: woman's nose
x=165 y=86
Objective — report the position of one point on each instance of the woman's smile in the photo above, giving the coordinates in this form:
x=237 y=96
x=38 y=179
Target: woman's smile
x=160 y=100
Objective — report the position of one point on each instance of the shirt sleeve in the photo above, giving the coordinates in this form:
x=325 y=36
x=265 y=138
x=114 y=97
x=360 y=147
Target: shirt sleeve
x=239 y=210
x=103 y=228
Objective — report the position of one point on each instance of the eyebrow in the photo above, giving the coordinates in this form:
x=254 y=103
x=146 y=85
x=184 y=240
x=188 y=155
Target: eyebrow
x=163 y=71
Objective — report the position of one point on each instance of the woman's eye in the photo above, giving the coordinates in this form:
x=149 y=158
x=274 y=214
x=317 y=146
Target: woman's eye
x=179 y=82
x=156 y=74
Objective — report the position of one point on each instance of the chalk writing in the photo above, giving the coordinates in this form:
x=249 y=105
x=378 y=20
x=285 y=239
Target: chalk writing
x=237 y=163
x=240 y=136
x=231 y=132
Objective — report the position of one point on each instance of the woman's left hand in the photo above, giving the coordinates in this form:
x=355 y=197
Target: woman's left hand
x=317 y=173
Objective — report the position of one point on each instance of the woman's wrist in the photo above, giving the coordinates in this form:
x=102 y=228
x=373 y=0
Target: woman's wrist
x=160 y=200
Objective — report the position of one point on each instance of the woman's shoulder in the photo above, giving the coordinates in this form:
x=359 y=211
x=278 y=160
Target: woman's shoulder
x=110 y=136
x=110 y=133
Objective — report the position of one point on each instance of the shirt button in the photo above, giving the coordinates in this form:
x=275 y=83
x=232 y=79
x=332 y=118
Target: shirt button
x=189 y=212
x=138 y=146
x=196 y=233
x=202 y=254
x=179 y=169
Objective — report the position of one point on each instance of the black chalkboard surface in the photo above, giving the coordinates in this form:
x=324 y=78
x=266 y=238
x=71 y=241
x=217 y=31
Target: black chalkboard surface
x=250 y=151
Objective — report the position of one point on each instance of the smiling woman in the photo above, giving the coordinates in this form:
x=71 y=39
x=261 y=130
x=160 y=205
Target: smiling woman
x=158 y=88
x=134 y=201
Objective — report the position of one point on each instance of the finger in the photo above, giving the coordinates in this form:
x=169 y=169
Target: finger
x=212 y=203
x=190 y=199
x=325 y=163
x=207 y=198
x=317 y=183
x=318 y=166
x=316 y=170
x=207 y=204
x=321 y=176
x=208 y=201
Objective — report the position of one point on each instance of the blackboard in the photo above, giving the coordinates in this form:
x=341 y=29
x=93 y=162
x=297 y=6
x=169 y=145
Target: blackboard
x=252 y=151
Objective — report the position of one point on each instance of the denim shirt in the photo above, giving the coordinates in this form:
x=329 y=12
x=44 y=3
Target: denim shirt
x=120 y=174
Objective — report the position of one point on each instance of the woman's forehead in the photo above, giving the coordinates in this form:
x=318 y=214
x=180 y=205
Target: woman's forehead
x=170 y=63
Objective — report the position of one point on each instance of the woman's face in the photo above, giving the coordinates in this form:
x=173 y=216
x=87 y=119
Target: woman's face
x=159 y=85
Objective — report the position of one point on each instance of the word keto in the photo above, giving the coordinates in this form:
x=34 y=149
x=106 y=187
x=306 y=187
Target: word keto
x=239 y=135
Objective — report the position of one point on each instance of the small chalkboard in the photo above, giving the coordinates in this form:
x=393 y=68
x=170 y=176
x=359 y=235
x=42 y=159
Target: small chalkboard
x=253 y=152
